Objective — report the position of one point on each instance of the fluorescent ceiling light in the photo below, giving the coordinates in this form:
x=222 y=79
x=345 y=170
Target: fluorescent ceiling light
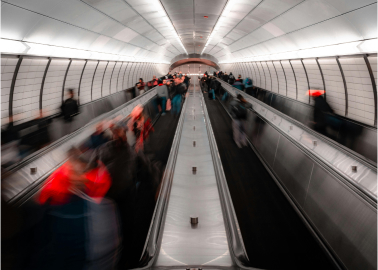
x=356 y=47
x=221 y=20
x=164 y=16
x=29 y=48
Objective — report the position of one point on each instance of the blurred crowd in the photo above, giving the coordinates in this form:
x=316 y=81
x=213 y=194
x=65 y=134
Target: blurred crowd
x=98 y=205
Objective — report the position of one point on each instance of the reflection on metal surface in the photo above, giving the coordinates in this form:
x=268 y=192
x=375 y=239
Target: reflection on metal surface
x=194 y=196
x=338 y=160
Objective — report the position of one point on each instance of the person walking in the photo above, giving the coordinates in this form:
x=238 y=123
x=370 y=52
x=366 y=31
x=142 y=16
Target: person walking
x=163 y=96
x=239 y=113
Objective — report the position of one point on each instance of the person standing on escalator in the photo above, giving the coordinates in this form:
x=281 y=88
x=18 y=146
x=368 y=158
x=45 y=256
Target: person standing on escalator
x=239 y=113
x=163 y=96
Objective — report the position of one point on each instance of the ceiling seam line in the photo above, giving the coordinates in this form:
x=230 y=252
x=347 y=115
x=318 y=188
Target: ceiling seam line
x=113 y=19
x=303 y=27
x=148 y=22
x=239 y=23
x=73 y=26
x=271 y=20
x=216 y=22
x=171 y=21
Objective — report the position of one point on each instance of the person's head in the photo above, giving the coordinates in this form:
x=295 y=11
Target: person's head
x=154 y=77
x=140 y=80
x=239 y=76
x=174 y=77
x=230 y=73
x=77 y=163
x=119 y=133
x=70 y=93
x=99 y=128
x=180 y=72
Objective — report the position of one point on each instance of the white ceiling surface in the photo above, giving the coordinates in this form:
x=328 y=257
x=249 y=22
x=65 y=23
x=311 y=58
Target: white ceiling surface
x=188 y=19
x=141 y=29
x=256 y=28
x=138 y=29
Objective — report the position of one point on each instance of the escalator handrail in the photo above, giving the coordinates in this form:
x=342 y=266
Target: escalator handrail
x=155 y=233
x=67 y=137
x=31 y=189
x=364 y=193
x=235 y=239
x=367 y=162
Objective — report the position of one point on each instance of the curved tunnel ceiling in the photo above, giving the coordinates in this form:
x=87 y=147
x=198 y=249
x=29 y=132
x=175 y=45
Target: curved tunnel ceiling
x=160 y=30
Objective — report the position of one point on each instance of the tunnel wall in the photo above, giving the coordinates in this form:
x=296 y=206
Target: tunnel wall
x=32 y=83
x=194 y=69
x=350 y=82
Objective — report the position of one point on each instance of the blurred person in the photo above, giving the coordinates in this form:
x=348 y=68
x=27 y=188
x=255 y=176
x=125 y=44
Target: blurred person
x=97 y=138
x=225 y=77
x=240 y=79
x=322 y=111
x=231 y=79
x=203 y=83
x=69 y=109
x=169 y=76
x=140 y=125
x=140 y=86
x=238 y=110
x=247 y=84
x=178 y=91
x=163 y=96
x=76 y=203
x=180 y=75
x=238 y=85
x=186 y=81
x=130 y=172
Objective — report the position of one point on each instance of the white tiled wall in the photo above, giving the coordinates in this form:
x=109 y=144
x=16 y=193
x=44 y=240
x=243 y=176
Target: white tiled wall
x=334 y=84
x=360 y=90
x=122 y=76
x=281 y=78
x=107 y=76
x=268 y=77
x=302 y=83
x=53 y=87
x=274 y=77
x=74 y=74
x=27 y=89
x=8 y=66
x=262 y=75
x=258 y=75
x=127 y=76
x=114 y=79
x=86 y=82
x=290 y=78
x=97 y=81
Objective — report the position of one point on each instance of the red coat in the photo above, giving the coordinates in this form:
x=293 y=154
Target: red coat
x=58 y=188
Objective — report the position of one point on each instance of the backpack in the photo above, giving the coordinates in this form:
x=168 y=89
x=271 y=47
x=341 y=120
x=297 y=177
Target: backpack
x=240 y=111
x=249 y=81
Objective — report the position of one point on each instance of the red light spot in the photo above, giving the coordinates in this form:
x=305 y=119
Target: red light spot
x=206 y=17
x=315 y=92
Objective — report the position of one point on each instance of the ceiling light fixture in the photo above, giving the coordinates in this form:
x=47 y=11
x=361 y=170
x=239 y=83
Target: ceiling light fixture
x=222 y=18
x=164 y=17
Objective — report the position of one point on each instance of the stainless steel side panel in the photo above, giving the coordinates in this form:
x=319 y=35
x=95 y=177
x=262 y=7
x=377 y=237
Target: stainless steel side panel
x=347 y=223
x=344 y=219
x=294 y=169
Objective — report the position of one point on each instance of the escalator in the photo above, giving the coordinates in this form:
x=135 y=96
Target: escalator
x=22 y=218
x=274 y=235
